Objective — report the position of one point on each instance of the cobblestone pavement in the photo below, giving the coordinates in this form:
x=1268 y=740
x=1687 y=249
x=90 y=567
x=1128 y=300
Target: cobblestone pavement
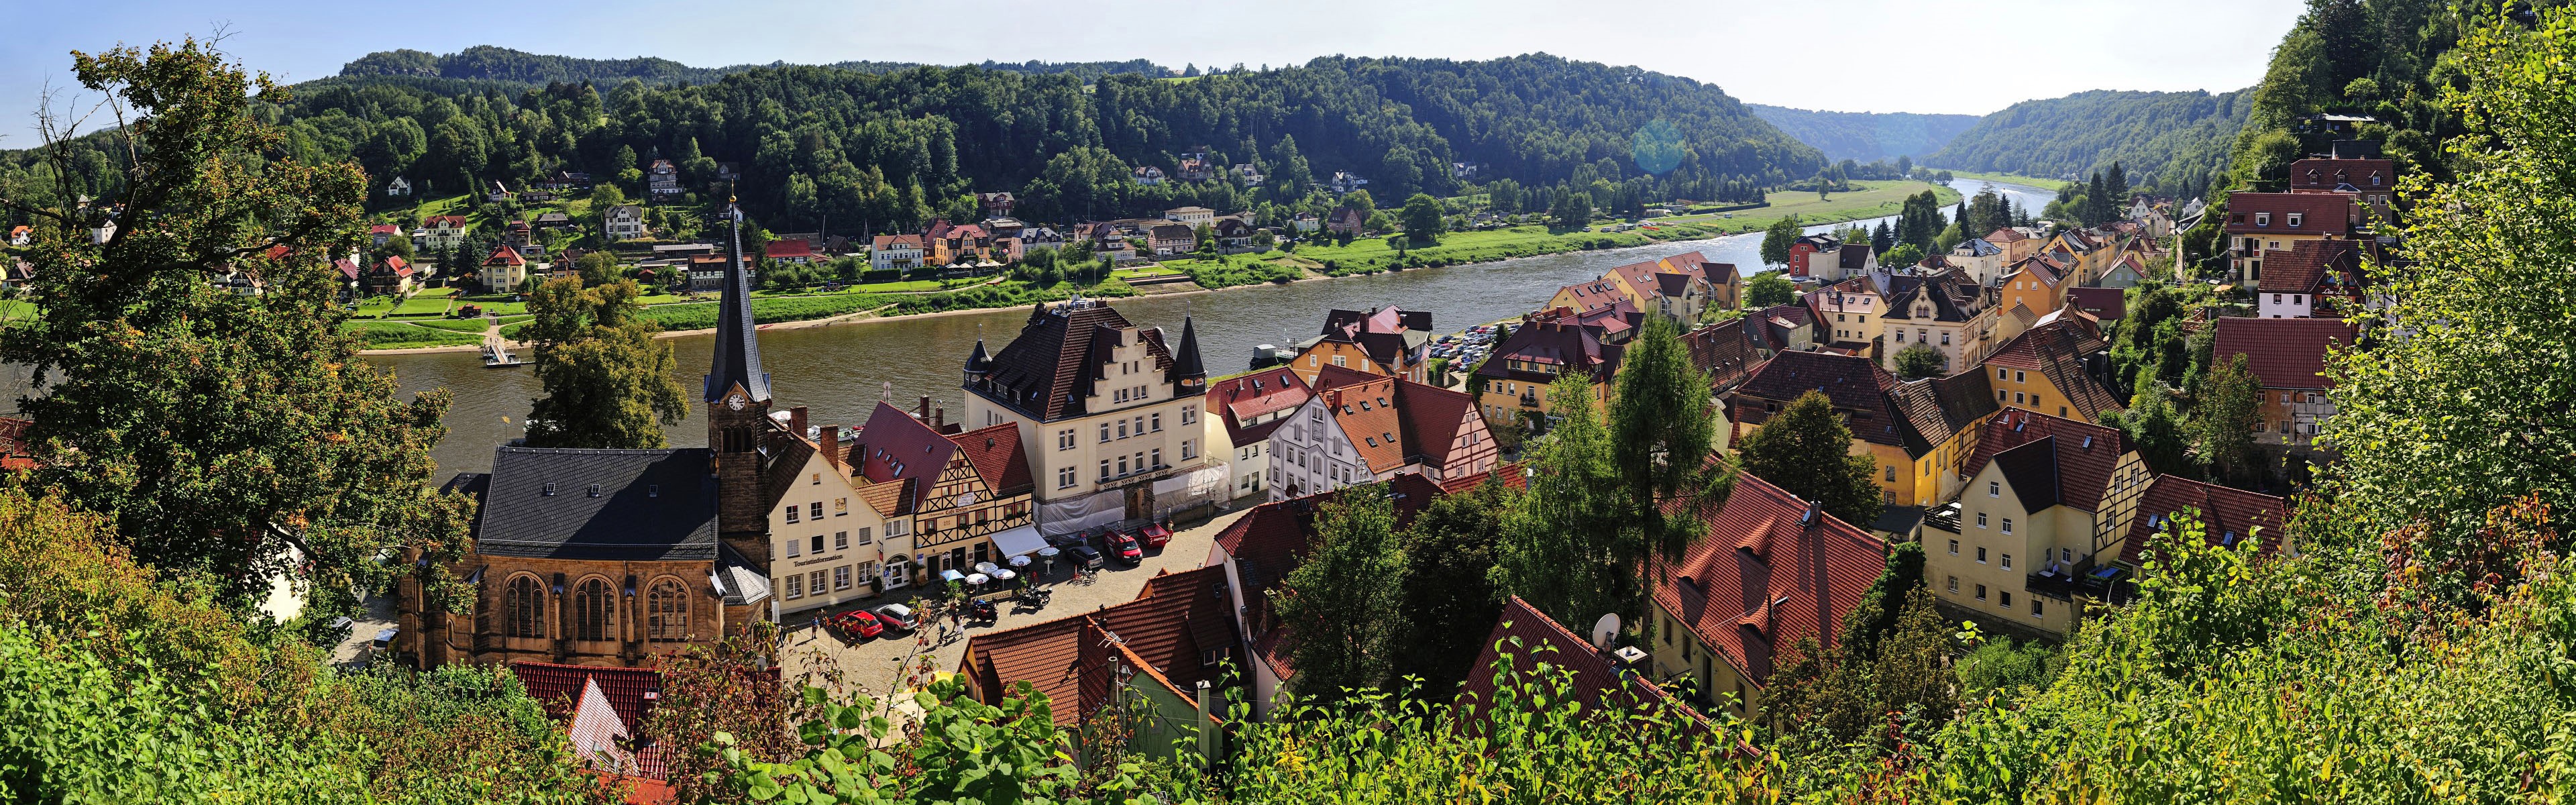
x=883 y=663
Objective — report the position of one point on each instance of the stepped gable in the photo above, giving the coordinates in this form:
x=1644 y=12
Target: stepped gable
x=1047 y=371
x=737 y=353
x=1771 y=571
x=2078 y=460
x=620 y=505
x=2227 y=514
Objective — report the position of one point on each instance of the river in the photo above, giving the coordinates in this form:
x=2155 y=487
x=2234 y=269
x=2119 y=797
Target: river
x=841 y=371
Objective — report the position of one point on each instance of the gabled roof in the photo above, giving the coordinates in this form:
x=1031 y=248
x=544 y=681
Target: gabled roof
x=1939 y=407
x=2038 y=267
x=1550 y=338
x=1389 y=335
x=1364 y=405
x=2005 y=235
x=1236 y=400
x=2316 y=173
x=1855 y=384
x=1722 y=350
x=787 y=250
x=2056 y=347
x=2104 y=303
x=2321 y=213
x=896 y=448
x=631 y=691
x=2228 y=514
x=1954 y=296
x=2283 y=353
x=2310 y=264
x=1047 y=370
x=898 y=241
x=1533 y=645
x=1169 y=629
x=1771 y=571
x=505 y=255
x=452 y=221
x=1856 y=256
x=997 y=456
x=2050 y=460
x=651 y=505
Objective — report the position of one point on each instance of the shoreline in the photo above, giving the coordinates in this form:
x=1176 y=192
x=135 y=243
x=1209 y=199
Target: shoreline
x=870 y=316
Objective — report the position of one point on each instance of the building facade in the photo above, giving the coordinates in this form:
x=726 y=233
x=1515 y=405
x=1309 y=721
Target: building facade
x=1105 y=407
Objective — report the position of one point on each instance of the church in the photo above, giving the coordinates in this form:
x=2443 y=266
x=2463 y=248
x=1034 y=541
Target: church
x=613 y=557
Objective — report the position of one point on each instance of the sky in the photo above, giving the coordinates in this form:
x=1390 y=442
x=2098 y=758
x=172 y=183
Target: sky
x=1952 y=56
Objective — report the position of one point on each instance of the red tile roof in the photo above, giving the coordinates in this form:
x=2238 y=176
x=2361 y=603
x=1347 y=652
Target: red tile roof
x=1723 y=351
x=1273 y=538
x=1535 y=646
x=453 y=221
x=2283 y=353
x=505 y=255
x=1857 y=386
x=1771 y=571
x=2325 y=174
x=2228 y=514
x=788 y=250
x=2056 y=348
x=2050 y=460
x=1170 y=629
x=2309 y=264
x=1236 y=400
x=1514 y=475
x=632 y=691
x=2106 y=303
x=893 y=447
x=997 y=456
x=2319 y=213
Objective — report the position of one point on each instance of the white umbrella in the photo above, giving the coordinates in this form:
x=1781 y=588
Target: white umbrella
x=984 y=567
x=978 y=578
x=1049 y=551
x=1022 y=560
x=1004 y=574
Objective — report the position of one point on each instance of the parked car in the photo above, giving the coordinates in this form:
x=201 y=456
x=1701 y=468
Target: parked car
x=854 y=625
x=1156 y=536
x=1085 y=557
x=898 y=617
x=1124 y=545
x=1066 y=541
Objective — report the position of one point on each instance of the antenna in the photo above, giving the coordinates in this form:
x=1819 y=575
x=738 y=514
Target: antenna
x=1605 y=630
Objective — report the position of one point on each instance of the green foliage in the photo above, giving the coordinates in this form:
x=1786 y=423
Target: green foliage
x=1663 y=429
x=1344 y=601
x=962 y=751
x=221 y=428
x=1805 y=449
x=1997 y=667
x=608 y=382
x=2173 y=142
x=1769 y=288
x=1558 y=550
x=1450 y=550
x=1919 y=361
x=1866 y=136
x=1422 y=219
x=1777 y=239
x=1905 y=254
x=2226 y=406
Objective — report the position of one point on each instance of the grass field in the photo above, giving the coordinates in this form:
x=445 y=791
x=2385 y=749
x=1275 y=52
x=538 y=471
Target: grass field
x=475 y=326
x=375 y=307
x=2012 y=178
x=1872 y=200
x=426 y=303
x=402 y=335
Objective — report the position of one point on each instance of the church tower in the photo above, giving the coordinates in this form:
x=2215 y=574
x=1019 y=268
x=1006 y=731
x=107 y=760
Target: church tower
x=737 y=400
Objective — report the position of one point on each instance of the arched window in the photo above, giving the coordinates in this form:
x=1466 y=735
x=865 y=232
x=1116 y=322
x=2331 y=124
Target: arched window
x=591 y=604
x=525 y=605
x=667 y=612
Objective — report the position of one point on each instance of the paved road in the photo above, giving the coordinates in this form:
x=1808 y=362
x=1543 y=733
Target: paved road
x=894 y=663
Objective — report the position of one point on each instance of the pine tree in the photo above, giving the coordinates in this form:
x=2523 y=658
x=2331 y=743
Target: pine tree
x=2118 y=183
x=1797 y=449
x=2097 y=202
x=1344 y=602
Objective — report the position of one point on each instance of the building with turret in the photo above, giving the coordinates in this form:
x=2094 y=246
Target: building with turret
x=1108 y=411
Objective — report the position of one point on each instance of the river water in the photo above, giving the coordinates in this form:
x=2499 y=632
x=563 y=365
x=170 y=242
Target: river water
x=841 y=371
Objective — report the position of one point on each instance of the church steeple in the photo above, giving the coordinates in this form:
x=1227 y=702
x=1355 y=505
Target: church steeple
x=737 y=358
x=1188 y=371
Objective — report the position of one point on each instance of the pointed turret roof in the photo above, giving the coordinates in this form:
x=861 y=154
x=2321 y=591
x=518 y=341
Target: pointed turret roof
x=981 y=361
x=737 y=357
x=1185 y=361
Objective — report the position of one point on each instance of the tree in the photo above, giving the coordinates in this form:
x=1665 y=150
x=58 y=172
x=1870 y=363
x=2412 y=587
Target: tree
x=1769 y=288
x=1573 y=210
x=1905 y=254
x=1797 y=450
x=597 y=268
x=1663 y=428
x=1450 y=550
x=1556 y=546
x=219 y=430
x=729 y=688
x=1360 y=200
x=1422 y=219
x=1920 y=361
x=2226 y=407
x=1889 y=658
x=1344 y=603
x=1777 y=238
x=963 y=751
x=2158 y=434
x=608 y=382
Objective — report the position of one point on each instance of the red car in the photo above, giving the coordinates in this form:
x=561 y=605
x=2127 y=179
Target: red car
x=1156 y=536
x=1124 y=545
x=855 y=625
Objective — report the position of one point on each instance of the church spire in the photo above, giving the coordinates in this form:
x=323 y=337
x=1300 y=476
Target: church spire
x=1187 y=369
x=737 y=357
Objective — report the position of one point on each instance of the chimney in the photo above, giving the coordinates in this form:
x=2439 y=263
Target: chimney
x=831 y=444
x=921 y=410
x=796 y=421
x=939 y=417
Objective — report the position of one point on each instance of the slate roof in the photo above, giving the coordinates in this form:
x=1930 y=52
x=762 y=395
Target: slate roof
x=736 y=360
x=1772 y=570
x=2106 y=304
x=2283 y=353
x=2227 y=514
x=1236 y=400
x=1391 y=336
x=2056 y=347
x=2050 y=460
x=652 y=505
x=1856 y=385
x=893 y=447
x=1537 y=647
x=1168 y=629
x=1046 y=371
x=1938 y=407
x=1856 y=256
x=1954 y=296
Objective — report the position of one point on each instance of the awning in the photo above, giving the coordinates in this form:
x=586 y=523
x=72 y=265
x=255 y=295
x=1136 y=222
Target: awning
x=1017 y=541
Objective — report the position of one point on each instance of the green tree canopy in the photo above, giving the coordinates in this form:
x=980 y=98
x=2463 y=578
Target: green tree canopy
x=1777 y=238
x=1422 y=219
x=1344 y=601
x=1920 y=361
x=1769 y=288
x=609 y=383
x=1806 y=450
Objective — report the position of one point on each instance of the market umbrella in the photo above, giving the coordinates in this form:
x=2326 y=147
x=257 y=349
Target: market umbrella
x=1022 y=560
x=1004 y=574
x=984 y=567
x=951 y=574
x=978 y=579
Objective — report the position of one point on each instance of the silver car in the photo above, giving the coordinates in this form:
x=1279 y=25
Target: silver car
x=898 y=616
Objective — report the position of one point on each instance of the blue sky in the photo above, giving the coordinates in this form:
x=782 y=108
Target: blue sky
x=1961 y=56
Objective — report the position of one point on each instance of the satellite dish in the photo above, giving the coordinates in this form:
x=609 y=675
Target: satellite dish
x=1605 y=630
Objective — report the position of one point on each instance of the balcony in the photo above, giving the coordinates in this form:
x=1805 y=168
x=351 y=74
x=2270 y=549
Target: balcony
x=1529 y=401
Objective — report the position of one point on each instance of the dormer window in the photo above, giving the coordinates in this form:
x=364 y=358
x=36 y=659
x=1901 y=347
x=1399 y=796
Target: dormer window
x=2262 y=219
x=2295 y=218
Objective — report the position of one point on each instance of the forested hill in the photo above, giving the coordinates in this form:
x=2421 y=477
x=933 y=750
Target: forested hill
x=1866 y=136
x=485 y=62
x=2169 y=142
x=890 y=149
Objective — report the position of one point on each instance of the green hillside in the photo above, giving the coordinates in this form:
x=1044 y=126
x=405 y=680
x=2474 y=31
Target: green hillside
x=1866 y=136
x=2169 y=142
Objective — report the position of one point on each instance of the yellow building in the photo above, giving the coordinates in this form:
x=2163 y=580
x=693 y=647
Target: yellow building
x=1104 y=408
x=1918 y=433
x=2038 y=283
x=1771 y=572
x=1512 y=383
x=2047 y=500
x=1385 y=341
x=2043 y=369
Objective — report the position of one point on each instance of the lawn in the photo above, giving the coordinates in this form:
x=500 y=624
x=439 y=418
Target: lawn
x=475 y=326
x=426 y=303
x=2012 y=178
x=1872 y=200
x=1367 y=255
x=401 y=335
x=375 y=307
x=13 y=310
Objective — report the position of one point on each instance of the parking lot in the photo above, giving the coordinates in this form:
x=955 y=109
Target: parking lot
x=896 y=661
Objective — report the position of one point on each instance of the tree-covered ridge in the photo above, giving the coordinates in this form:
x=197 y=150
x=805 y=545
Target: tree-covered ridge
x=1867 y=136
x=485 y=62
x=2170 y=142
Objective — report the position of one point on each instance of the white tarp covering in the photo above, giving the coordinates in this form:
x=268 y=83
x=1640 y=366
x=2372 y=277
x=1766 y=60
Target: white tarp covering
x=1182 y=491
x=1093 y=511
x=1022 y=540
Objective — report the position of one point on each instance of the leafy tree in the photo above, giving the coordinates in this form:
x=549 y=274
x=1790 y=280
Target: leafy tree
x=1557 y=545
x=1796 y=450
x=2156 y=431
x=1769 y=288
x=963 y=751
x=1889 y=659
x=2225 y=408
x=1905 y=254
x=1663 y=429
x=1573 y=210
x=608 y=382
x=1777 y=238
x=1422 y=219
x=220 y=430
x=1450 y=550
x=1343 y=602
x=1920 y=361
